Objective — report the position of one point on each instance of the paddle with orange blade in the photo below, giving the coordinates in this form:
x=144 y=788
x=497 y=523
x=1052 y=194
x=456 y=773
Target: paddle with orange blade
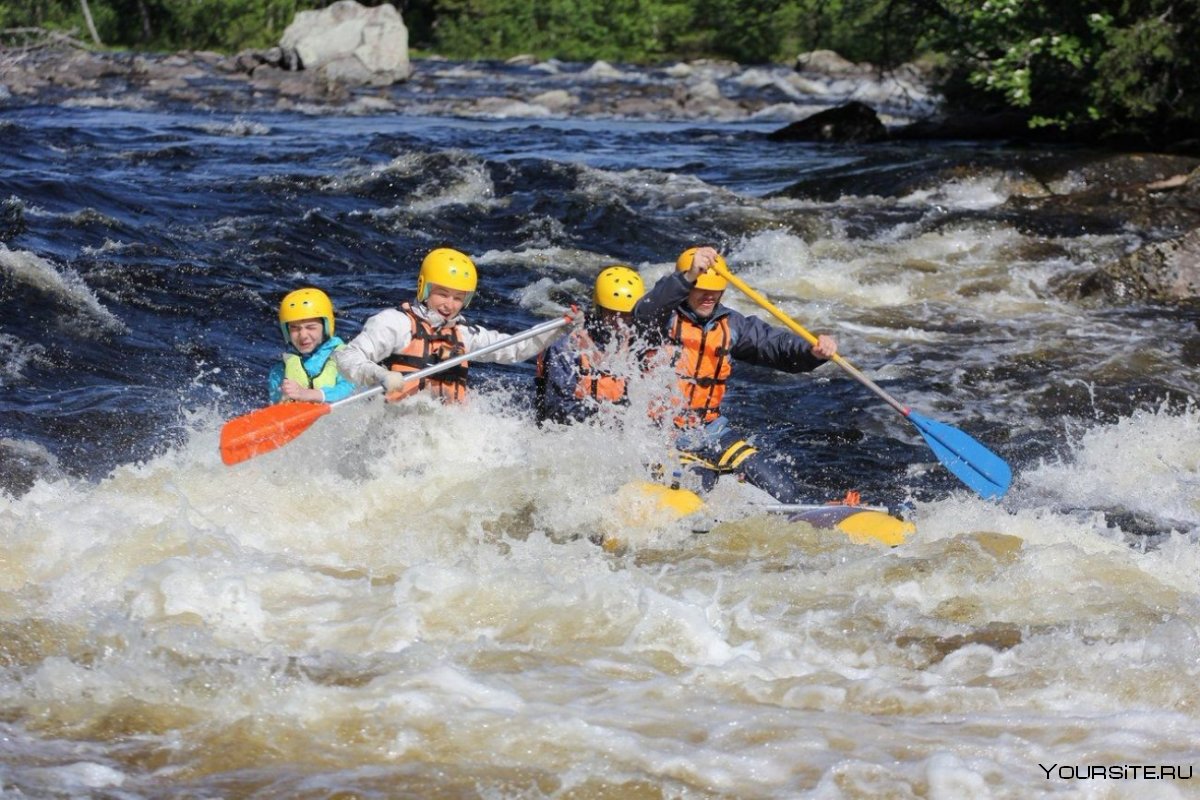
x=968 y=460
x=266 y=429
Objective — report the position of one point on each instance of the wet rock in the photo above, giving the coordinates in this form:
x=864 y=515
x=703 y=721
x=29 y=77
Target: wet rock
x=1163 y=271
x=852 y=122
x=1128 y=174
x=1001 y=172
x=24 y=463
x=12 y=219
x=1108 y=193
x=601 y=70
x=294 y=89
x=827 y=62
x=637 y=107
x=271 y=79
x=1008 y=125
x=703 y=98
x=998 y=636
x=556 y=101
x=248 y=61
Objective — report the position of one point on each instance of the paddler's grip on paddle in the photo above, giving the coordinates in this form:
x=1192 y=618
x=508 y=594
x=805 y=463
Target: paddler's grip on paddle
x=398 y=386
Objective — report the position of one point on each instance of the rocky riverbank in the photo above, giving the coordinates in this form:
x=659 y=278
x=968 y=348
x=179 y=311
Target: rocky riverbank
x=520 y=88
x=824 y=101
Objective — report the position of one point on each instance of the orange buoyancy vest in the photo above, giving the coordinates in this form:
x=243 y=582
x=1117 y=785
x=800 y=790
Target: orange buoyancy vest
x=592 y=380
x=701 y=360
x=429 y=346
x=599 y=384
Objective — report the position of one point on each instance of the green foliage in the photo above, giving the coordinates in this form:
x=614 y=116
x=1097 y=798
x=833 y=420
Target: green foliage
x=879 y=32
x=742 y=30
x=1147 y=74
x=55 y=15
x=232 y=24
x=1121 y=68
x=573 y=30
x=747 y=31
x=1124 y=68
x=229 y=25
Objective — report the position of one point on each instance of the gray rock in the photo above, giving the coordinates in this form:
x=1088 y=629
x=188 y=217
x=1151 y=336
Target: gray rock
x=1165 y=271
x=827 y=62
x=350 y=43
x=852 y=122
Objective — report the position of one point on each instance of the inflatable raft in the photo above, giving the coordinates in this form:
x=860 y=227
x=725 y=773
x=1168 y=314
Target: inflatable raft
x=862 y=524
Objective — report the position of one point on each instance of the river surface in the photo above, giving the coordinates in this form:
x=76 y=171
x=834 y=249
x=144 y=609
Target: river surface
x=404 y=601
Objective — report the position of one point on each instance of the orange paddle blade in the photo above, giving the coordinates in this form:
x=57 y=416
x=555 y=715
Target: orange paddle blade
x=263 y=430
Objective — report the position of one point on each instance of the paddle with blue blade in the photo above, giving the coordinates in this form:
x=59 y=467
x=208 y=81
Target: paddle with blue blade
x=968 y=460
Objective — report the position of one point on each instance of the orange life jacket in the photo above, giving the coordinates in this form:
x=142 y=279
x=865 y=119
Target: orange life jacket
x=701 y=359
x=593 y=381
x=598 y=384
x=429 y=346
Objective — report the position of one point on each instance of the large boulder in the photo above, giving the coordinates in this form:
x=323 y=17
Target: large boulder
x=827 y=62
x=350 y=43
x=1166 y=271
x=852 y=122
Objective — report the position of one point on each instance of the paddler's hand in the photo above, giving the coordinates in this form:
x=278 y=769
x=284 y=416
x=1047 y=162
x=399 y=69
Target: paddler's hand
x=702 y=260
x=292 y=390
x=394 y=381
x=826 y=347
x=575 y=316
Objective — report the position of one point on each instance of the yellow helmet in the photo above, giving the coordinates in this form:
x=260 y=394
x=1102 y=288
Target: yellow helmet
x=448 y=268
x=618 y=288
x=307 y=303
x=709 y=280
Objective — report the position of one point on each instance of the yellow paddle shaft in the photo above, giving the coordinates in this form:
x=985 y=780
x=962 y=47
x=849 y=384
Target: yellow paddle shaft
x=812 y=340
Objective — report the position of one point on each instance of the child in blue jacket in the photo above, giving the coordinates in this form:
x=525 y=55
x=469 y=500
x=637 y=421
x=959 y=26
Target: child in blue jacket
x=307 y=372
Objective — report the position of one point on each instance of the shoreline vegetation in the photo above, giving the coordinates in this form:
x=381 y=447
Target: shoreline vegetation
x=64 y=70
x=1119 y=77
x=1099 y=188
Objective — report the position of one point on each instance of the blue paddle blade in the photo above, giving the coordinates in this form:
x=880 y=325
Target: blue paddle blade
x=972 y=463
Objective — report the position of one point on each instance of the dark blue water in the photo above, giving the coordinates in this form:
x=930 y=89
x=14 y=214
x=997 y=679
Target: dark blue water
x=147 y=252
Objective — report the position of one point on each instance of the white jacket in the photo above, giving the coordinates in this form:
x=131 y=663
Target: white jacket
x=390 y=331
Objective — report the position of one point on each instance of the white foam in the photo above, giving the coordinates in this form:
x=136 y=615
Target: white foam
x=421 y=575
x=1148 y=461
x=62 y=285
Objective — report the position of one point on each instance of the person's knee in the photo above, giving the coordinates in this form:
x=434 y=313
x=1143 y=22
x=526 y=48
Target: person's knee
x=772 y=478
x=706 y=478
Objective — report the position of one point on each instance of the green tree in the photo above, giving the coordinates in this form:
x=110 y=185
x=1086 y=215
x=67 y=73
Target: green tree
x=1117 y=69
x=228 y=25
x=575 y=30
x=59 y=15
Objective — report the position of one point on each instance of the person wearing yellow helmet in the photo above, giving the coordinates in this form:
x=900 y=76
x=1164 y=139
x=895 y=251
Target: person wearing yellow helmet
x=308 y=372
x=589 y=370
x=702 y=340
x=431 y=328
